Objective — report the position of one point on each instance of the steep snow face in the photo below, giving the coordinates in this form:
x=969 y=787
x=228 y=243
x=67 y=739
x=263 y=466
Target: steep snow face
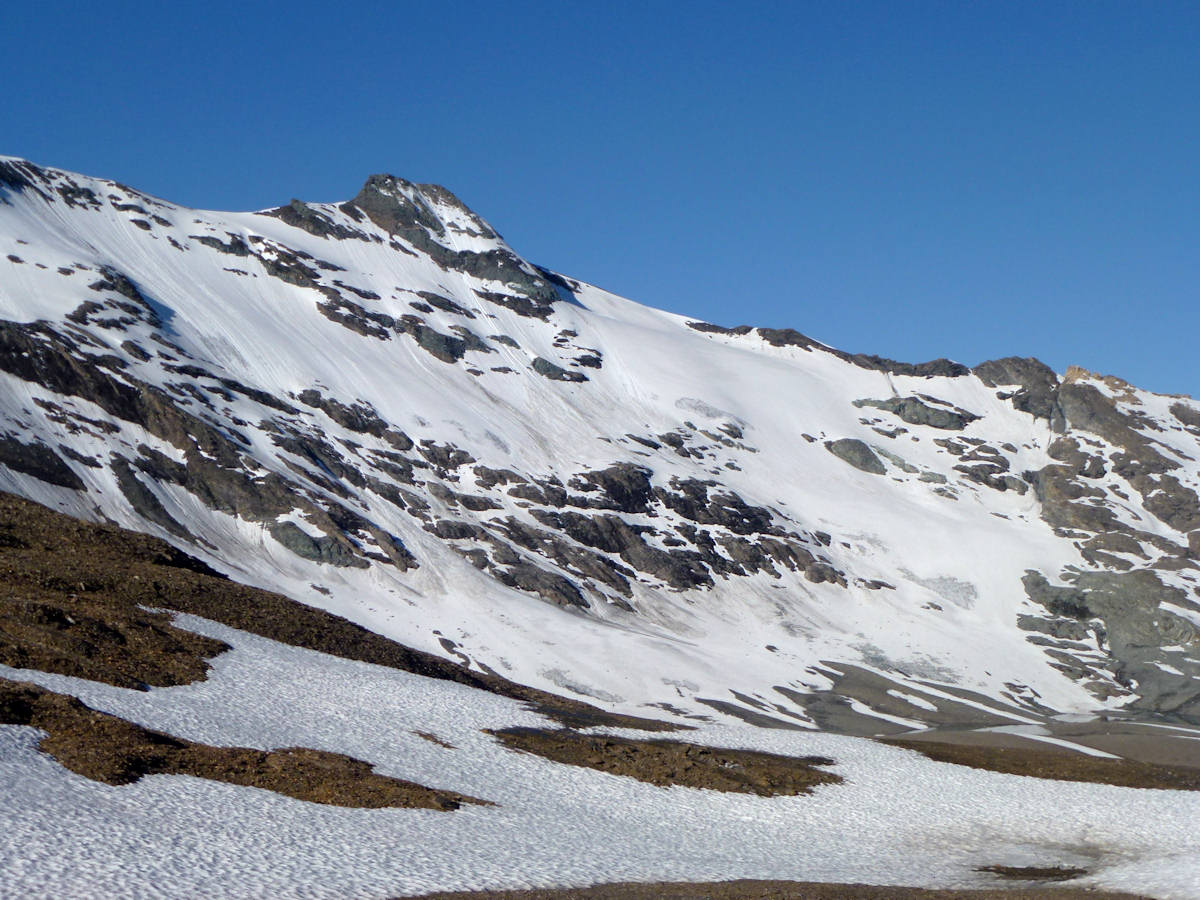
x=378 y=407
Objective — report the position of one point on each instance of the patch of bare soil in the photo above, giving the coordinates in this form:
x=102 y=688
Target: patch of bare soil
x=70 y=593
x=1057 y=765
x=1034 y=873
x=777 y=890
x=665 y=762
x=116 y=751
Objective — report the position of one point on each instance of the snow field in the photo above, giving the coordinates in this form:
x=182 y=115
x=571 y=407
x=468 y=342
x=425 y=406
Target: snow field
x=897 y=819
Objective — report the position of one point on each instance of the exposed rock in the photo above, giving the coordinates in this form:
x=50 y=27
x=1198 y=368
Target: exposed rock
x=626 y=487
x=40 y=461
x=554 y=372
x=789 y=337
x=914 y=412
x=690 y=498
x=1186 y=414
x=446 y=456
x=1038 y=393
x=399 y=207
x=857 y=454
x=322 y=549
x=1138 y=626
x=550 y=586
x=301 y=215
x=437 y=301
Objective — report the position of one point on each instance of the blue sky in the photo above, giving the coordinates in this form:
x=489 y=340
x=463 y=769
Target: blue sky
x=963 y=179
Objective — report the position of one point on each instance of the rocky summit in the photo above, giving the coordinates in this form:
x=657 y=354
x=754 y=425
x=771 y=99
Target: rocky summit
x=379 y=409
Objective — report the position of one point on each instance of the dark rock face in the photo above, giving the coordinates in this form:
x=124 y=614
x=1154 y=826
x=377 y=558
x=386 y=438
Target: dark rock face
x=304 y=217
x=915 y=412
x=437 y=301
x=935 y=368
x=1126 y=613
x=214 y=469
x=319 y=549
x=1188 y=415
x=547 y=369
x=1038 y=393
x=857 y=454
x=789 y=337
x=550 y=586
x=40 y=461
x=397 y=207
x=625 y=485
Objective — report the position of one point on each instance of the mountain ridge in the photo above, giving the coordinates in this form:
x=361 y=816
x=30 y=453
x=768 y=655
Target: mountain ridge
x=383 y=410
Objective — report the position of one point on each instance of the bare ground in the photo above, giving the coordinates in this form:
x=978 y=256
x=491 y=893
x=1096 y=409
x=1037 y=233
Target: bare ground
x=116 y=751
x=779 y=890
x=665 y=762
x=1059 y=765
x=71 y=592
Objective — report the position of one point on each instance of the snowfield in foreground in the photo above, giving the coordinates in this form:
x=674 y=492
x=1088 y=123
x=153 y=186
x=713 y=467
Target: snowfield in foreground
x=898 y=818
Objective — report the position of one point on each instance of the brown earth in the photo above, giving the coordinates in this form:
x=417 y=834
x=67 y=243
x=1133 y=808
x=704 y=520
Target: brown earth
x=665 y=762
x=778 y=890
x=115 y=751
x=1064 y=765
x=1041 y=873
x=70 y=593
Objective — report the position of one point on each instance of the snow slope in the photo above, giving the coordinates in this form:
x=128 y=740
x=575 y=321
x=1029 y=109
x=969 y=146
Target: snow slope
x=379 y=408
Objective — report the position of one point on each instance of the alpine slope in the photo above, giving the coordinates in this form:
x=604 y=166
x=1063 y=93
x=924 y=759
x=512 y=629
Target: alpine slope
x=380 y=409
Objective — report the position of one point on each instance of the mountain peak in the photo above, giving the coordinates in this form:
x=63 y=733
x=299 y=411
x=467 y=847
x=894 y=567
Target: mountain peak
x=399 y=206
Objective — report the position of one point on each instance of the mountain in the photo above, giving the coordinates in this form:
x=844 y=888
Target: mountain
x=346 y=552
x=380 y=409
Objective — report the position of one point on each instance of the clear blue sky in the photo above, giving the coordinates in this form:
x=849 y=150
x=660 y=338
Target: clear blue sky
x=967 y=179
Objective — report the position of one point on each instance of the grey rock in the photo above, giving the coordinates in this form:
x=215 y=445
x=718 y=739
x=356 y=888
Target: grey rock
x=857 y=454
x=915 y=412
x=1038 y=385
x=549 y=370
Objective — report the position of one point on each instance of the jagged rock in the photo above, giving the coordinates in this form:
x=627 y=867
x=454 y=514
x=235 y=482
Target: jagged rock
x=626 y=487
x=447 y=456
x=301 y=215
x=396 y=206
x=789 y=337
x=690 y=498
x=235 y=246
x=143 y=500
x=1137 y=625
x=1057 y=490
x=359 y=417
x=488 y=478
x=680 y=569
x=1087 y=465
x=1038 y=394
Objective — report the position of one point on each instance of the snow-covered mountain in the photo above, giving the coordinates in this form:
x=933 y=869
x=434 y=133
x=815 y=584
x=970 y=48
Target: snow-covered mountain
x=381 y=409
